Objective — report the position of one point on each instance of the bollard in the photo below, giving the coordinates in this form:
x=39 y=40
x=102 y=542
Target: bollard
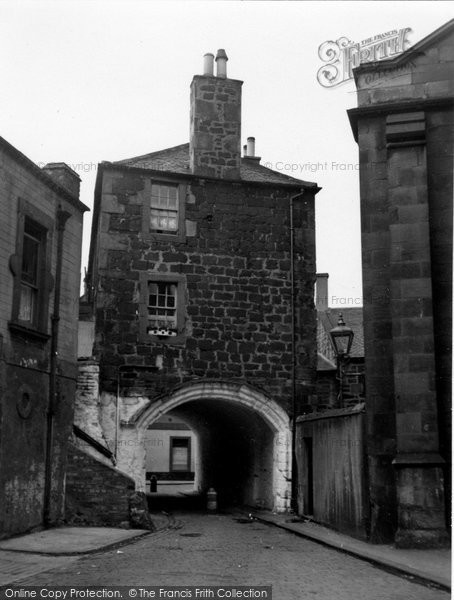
x=212 y=500
x=153 y=484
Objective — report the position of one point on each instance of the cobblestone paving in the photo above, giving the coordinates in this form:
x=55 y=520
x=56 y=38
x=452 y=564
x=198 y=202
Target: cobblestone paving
x=222 y=551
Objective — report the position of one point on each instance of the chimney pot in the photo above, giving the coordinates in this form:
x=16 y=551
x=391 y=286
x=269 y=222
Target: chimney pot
x=251 y=146
x=321 y=291
x=245 y=150
x=221 y=63
x=208 y=64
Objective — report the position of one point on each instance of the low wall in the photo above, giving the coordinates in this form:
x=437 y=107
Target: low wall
x=331 y=470
x=96 y=494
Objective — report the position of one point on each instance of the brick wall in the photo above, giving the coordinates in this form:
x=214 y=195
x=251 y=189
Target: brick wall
x=235 y=262
x=96 y=493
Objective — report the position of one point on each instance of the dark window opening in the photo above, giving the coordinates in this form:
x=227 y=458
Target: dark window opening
x=180 y=454
x=309 y=503
x=30 y=277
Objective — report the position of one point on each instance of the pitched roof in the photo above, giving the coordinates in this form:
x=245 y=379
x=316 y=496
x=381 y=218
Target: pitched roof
x=176 y=160
x=353 y=317
x=324 y=363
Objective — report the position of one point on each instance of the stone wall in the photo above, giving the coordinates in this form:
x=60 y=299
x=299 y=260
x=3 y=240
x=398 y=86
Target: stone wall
x=215 y=136
x=234 y=268
x=405 y=135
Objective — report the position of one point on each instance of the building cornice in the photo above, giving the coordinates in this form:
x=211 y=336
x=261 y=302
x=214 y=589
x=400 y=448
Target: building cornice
x=385 y=108
x=41 y=175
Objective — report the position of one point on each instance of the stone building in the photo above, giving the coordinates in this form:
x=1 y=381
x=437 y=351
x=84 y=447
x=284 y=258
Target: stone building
x=200 y=302
x=40 y=248
x=404 y=129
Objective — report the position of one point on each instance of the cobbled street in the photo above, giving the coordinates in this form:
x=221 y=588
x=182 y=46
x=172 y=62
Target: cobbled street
x=217 y=549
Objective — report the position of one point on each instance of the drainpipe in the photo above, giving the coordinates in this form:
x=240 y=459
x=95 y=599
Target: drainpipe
x=294 y=496
x=293 y=501
x=62 y=217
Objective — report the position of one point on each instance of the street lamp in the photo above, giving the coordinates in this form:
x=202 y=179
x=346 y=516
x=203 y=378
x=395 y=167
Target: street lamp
x=342 y=339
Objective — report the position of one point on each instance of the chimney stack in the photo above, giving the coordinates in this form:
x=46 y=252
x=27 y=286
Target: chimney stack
x=64 y=176
x=321 y=291
x=215 y=122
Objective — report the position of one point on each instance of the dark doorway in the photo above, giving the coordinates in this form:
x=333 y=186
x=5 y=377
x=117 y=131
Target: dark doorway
x=309 y=503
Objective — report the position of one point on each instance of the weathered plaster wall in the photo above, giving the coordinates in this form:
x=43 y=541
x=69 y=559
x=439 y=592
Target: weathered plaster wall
x=24 y=360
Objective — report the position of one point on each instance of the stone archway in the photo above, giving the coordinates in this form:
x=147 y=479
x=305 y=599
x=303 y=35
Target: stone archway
x=218 y=394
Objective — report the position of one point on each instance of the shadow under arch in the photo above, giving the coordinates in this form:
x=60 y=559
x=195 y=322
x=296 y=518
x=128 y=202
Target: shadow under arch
x=248 y=404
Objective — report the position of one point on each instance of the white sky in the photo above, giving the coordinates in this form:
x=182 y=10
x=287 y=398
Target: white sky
x=89 y=81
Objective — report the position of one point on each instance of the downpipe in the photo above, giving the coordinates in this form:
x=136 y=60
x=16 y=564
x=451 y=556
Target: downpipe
x=62 y=217
x=294 y=476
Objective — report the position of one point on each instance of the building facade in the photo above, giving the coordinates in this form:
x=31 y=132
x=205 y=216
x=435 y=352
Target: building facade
x=40 y=248
x=404 y=129
x=200 y=283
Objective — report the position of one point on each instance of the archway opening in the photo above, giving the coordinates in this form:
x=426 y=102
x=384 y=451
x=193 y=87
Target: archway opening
x=234 y=454
x=171 y=453
x=244 y=442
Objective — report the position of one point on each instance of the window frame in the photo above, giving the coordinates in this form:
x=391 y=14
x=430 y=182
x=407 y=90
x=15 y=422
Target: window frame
x=180 y=281
x=38 y=327
x=145 y=198
x=171 y=447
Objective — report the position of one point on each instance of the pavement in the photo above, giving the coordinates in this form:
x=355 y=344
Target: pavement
x=27 y=555
x=432 y=566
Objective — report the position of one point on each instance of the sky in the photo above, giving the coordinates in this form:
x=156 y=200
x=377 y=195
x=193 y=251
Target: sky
x=88 y=81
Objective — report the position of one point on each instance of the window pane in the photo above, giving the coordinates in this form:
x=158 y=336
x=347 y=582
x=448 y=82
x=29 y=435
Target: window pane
x=164 y=208
x=180 y=454
x=30 y=256
x=162 y=311
x=27 y=303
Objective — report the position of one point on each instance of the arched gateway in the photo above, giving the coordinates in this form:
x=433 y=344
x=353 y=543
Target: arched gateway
x=245 y=440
